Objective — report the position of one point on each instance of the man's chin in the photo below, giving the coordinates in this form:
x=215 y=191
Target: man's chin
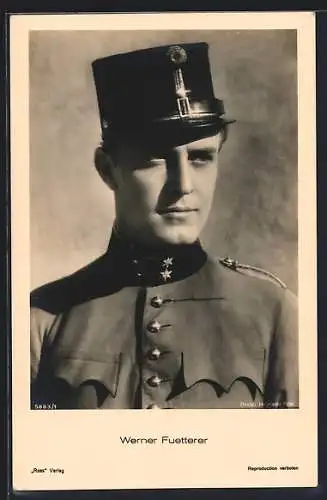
x=177 y=236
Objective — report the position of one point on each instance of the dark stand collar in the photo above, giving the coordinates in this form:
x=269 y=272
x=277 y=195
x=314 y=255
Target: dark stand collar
x=146 y=266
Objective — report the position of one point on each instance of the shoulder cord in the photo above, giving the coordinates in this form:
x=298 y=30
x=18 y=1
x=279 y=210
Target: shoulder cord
x=267 y=273
x=234 y=264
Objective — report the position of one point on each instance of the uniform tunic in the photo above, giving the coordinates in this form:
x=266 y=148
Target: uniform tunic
x=176 y=329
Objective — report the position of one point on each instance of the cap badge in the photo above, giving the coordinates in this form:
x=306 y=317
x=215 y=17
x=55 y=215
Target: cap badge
x=177 y=55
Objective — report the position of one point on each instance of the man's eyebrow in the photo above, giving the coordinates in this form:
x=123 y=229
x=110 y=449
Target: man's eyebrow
x=164 y=152
x=205 y=149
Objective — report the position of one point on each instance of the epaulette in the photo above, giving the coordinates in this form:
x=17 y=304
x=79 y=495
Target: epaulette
x=251 y=270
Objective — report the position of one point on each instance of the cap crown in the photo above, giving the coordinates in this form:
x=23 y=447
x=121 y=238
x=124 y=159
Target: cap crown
x=158 y=85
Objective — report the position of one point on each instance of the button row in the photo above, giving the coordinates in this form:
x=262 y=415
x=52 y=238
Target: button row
x=155 y=327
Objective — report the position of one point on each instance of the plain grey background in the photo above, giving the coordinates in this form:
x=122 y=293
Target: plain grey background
x=254 y=216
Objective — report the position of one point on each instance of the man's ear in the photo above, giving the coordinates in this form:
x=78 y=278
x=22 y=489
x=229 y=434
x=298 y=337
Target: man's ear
x=105 y=167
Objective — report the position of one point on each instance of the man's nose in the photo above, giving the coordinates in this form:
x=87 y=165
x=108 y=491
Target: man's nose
x=181 y=174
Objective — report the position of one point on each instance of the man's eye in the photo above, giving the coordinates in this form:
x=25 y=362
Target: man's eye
x=150 y=161
x=154 y=161
x=200 y=157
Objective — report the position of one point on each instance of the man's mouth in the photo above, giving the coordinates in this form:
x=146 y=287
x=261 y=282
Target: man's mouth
x=173 y=210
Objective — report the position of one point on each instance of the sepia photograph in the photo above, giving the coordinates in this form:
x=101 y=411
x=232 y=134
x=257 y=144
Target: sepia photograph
x=191 y=300
x=167 y=193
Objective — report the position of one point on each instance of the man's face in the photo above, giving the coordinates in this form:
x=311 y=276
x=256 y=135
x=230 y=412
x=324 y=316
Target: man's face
x=165 y=196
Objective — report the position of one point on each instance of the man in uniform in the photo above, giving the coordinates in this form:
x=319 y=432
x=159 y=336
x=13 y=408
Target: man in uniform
x=155 y=322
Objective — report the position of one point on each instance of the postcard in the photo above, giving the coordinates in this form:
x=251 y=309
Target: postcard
x=163 y=251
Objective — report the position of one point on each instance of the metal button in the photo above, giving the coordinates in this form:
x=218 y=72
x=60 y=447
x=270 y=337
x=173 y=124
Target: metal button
x=154 y=326
x=154 y=354
x=153 y=407
x=156 y=302
x=154 y=381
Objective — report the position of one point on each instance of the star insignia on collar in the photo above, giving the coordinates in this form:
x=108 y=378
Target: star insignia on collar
x=168 y=262
x=166 y=275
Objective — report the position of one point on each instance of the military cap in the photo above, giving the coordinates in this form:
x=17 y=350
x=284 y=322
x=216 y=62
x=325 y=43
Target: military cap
x=166 y=89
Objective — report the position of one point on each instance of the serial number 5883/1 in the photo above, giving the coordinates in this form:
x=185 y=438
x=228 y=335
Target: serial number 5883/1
x=48 y=406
